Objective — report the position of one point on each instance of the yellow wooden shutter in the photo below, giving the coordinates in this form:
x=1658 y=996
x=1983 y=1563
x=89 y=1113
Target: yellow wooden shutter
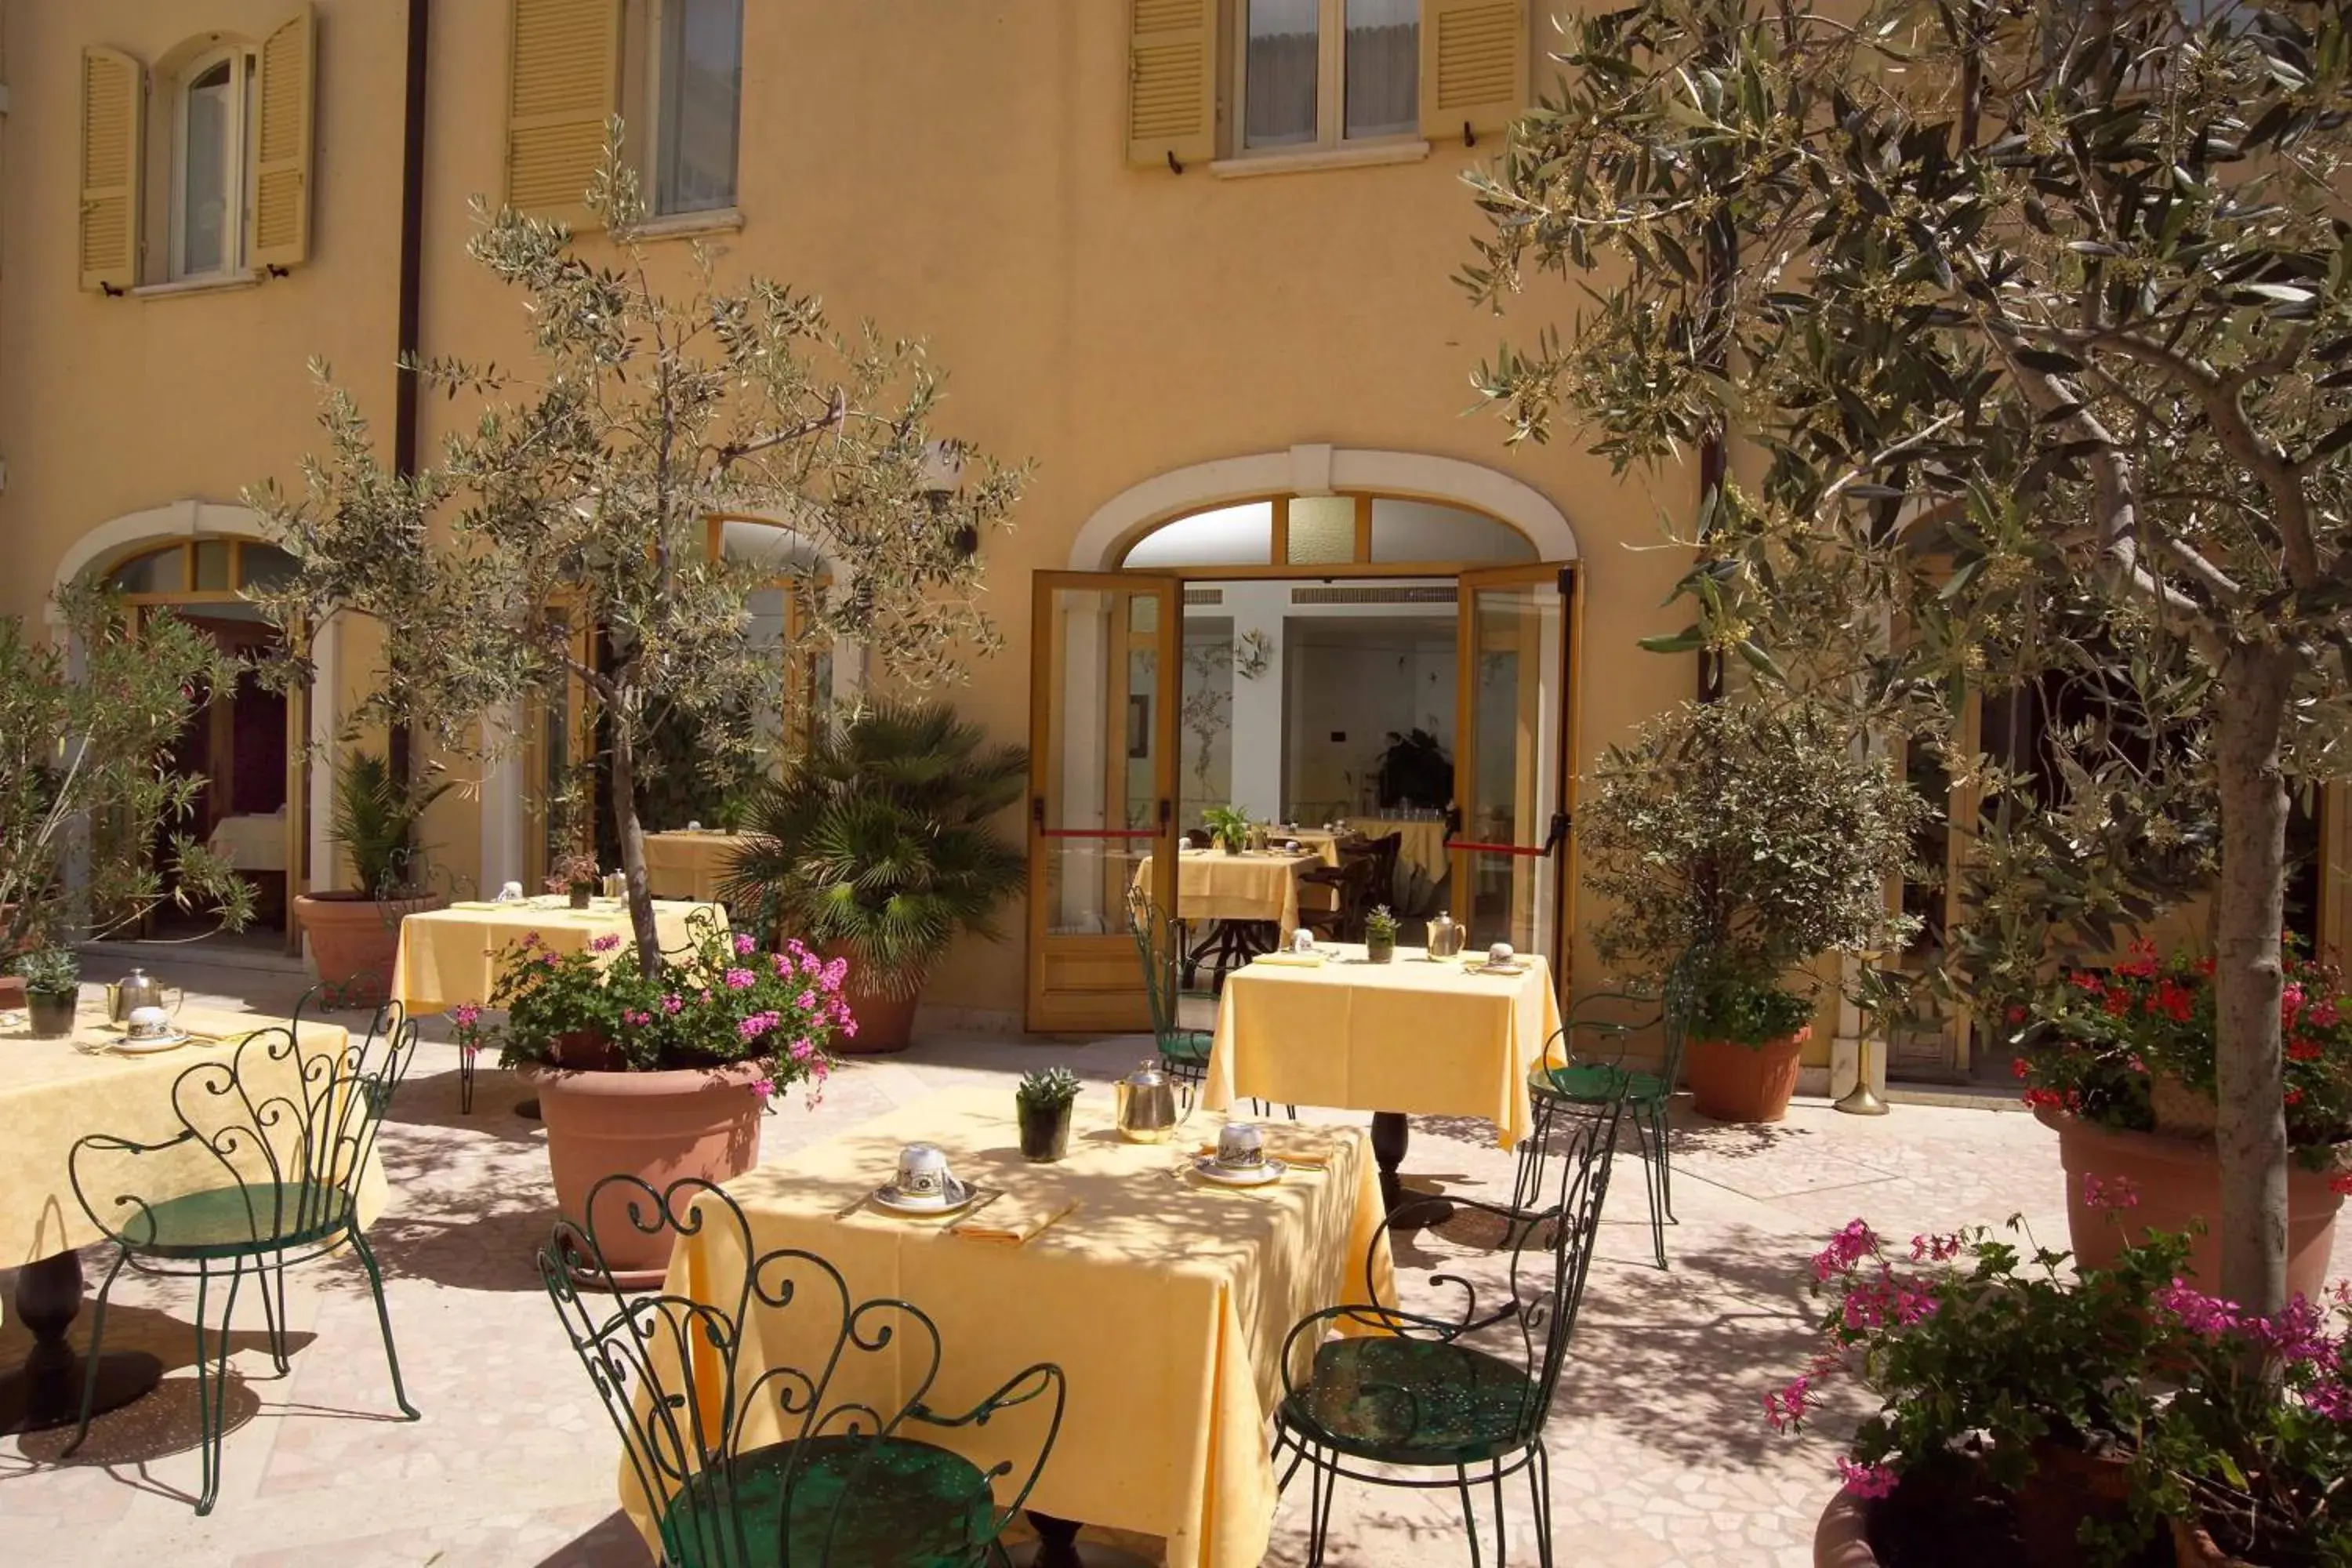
x=564 y=80
x=114 y=101
x=1171 y=80
x=1473 y=65
x=281 y=158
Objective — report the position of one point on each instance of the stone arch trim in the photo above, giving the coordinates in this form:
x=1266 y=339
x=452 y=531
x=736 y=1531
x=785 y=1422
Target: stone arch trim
x=1319 y=470
x=180 y=520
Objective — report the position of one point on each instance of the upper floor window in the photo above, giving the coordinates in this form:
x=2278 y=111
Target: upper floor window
x=1316 y=73
x=697 y=56
x=212 y=151
x=1283 y=83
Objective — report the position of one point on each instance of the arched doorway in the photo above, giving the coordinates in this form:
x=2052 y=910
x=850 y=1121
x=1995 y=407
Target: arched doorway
x=249 y=742
x=1379 y=642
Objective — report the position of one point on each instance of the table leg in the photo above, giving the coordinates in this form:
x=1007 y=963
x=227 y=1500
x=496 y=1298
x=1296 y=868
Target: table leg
x=1391 y=1135
x=1057 y=1547
x=45 y=1391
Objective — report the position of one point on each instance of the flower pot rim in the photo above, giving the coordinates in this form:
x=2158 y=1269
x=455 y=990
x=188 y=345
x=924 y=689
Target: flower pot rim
x=626 y=1083
x=2173 y=1151
x=1842 y=1538
x=1781 y=1042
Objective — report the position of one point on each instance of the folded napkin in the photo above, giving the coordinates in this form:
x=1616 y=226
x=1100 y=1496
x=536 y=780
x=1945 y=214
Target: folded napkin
x=1013 y=1219
x=1295 y=960
x=1303 y=1150
x=478 y=904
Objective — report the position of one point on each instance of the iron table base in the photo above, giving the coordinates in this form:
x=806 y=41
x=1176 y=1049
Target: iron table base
x=1391 y=1135
x=1058 y=1546
x=45 y=1391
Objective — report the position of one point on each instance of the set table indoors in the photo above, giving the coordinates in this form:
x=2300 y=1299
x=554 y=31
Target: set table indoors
x=54 y=1092
x=1418 y=1035
x=1164 y=1300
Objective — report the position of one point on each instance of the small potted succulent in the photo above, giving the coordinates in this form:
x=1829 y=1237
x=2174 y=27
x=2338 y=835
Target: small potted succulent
x=1379 y=936
x=1044 y=1099
x=1229 y=827
x=52 y=977
x=575 y=872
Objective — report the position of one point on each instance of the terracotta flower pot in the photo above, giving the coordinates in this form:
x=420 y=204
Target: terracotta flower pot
x=2179 y=1181
x=885 y=1023
x=354 y=940
x=657 y=1126
x=1841 y=1539
x=1732 y=1082
x=12 y=992
x=2192 y=1548
x=2066 y=1485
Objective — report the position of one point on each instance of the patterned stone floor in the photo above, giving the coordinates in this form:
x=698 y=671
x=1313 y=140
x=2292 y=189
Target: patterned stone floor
x=1659 y=1456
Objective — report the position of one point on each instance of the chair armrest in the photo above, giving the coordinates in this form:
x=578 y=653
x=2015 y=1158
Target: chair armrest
x=142 y=1210
x=1042 y=1381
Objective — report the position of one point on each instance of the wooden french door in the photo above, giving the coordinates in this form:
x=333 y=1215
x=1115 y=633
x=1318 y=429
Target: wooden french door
x=1106 y=657
x=1512 y=772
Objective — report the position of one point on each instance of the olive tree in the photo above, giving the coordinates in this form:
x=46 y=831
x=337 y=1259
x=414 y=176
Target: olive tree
x=2028 y=327
x=581 y=493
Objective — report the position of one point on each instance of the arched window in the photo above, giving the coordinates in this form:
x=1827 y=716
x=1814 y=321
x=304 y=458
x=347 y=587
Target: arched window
x=211 y=157
x=201 y=568
x=1352 y=531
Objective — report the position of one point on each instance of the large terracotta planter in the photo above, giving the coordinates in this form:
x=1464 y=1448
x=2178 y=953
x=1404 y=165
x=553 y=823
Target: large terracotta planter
x=885 y=1023
x=1730 y=1082
x=354 y=940
x=660 y=1127
x=1841 y=1539
x=2067 y=1487
x=2192 y=1548
x=2179 y=1181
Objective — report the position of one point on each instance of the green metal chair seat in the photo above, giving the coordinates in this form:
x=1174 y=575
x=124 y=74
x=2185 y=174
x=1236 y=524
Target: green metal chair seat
x=852 y=1499
x=1413 y=1402
x=1190 y=1046
x=233 y=1221
x=1596 y=1083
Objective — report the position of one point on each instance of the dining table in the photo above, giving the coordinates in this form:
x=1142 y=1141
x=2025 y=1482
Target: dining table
x=1415 y=1035
x=1421 y=840
x=691 y=863
x=450 y=955
x=1165 y=1301
x=53 y=1092
x=1253 y=885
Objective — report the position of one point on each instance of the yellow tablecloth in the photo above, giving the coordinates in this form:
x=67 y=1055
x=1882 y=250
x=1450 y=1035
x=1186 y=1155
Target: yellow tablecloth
x=1211 y=885
x=690 y=865
x=448 y=956
x=1414 y=1036
x=53 y=1092
x=1422 y=844
x=1320 y=842
x=1164 y=1303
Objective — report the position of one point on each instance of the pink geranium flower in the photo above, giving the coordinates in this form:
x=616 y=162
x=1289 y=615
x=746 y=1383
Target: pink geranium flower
x=1865 y=1480
x=741 y=979
x=743 y=943
x=604 y=943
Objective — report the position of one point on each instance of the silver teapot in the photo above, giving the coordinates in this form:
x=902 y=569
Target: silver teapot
x=1147 y=1111
x=1445 y=937
x=138 y=989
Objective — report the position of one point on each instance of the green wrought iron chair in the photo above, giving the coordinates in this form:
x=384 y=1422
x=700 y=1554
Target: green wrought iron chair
x=1575 y=1080
x=1159 y=947
x=1435 y=1401
x=263 y=1173
x=848 y=1481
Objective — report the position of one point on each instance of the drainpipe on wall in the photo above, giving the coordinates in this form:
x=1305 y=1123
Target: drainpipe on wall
x=405 y=386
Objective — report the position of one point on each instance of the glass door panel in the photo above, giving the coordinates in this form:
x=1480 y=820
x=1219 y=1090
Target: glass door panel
x=1510 y=760
x=1102 y=767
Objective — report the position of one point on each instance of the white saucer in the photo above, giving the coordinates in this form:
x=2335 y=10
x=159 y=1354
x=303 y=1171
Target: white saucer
x=1205 y=1166
x=1485 y=967
x=959 y=1195
x=130 y=1047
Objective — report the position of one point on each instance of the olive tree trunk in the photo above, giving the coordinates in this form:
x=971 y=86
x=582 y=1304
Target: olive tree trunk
x=632 y=835
x=2250 y=1128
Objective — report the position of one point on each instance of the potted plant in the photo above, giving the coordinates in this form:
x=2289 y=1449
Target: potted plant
x=574 y=873
x=661 y=1072
x=354 y=933
x=52 y=977
x=1380 y=935
x=876 y=847
x=1229 y=827
x=2011 y=1390
x=1044 y=1099
x=1413 y=769
x=2121 y=1064
x=1752 y=837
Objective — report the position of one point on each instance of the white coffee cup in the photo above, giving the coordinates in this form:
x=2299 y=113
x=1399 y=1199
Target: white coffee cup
x=923 y=1172
x=511 y=893
x=1302 y=941
x=1241 y=1146
x=1499 y=953
x=693 y=828
x=149 y=1023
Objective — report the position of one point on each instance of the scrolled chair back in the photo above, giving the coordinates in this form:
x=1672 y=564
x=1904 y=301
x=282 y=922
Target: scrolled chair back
x=275 y=1136
x=740 y=1463
x=1159 y=950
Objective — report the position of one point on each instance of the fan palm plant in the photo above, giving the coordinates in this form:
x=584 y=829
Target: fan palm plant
x=876 y=844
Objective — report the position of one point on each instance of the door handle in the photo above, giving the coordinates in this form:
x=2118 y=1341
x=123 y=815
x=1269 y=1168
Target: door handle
x=1037 y=809
x=1166 y=811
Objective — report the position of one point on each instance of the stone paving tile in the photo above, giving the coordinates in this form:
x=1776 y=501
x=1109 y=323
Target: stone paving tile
x=1659 y=1456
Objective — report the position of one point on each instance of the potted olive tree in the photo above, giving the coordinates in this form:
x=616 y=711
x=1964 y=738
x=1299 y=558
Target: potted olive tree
x=876 y=846
x=1754 y=838
x=354 y=932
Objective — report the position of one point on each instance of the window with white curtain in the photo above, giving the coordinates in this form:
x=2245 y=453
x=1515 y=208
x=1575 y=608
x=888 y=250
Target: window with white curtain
x=699 y=78
x=1321 y=73
x=209 y=152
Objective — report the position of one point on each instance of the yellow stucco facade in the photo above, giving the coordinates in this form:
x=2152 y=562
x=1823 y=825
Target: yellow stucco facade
x=960 y=170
